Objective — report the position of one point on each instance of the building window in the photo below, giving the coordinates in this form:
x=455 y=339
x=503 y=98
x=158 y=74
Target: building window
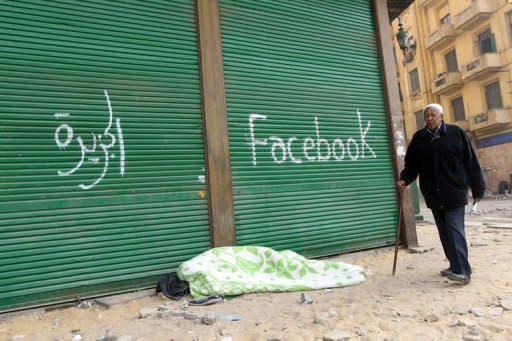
x=446 y=20
x=451 y=61
x=486 y=42
x=458 y=109
x=493 y=96
x=415 y=81
x=420 y=121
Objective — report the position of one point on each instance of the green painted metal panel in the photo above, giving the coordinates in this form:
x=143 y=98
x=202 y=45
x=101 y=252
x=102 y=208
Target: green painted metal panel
x=310 y=153
x=101 y=147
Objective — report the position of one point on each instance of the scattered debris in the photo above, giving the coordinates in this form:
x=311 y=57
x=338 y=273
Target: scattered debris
x=420 y=249
x=488 y=311
x=145 y=313
x=337 y=335
x=431 y=318
x=305 y=299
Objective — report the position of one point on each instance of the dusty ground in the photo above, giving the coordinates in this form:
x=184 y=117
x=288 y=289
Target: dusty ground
x=416 y=304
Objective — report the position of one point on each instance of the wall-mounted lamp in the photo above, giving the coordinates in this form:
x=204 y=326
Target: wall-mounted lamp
x=401 y=36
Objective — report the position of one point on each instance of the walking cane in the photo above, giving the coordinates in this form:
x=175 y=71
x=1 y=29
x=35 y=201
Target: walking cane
x=400 y=204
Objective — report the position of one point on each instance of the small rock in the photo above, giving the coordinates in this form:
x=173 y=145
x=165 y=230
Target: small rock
x=473 y=330
x=208 y=320
x=332 y=312
x=191 y=316
x=17 y=337
x=431 y=318
x=274 y=338
x=506 y=303
x=409 y=267
x=419 y=249
x=85 y=305
x=145 y=313
x=406 y=314
x=337 y=335
x=170 y=313
x=460 y=310
x=163 y=307
x=469 y=337
x=231 y=317
x=76 y=337
x=483 y=312
x=58 y=320
x=305 y=299
x=321 y=318
x=360 y=331
x=125 y=338
x=478 y=244
x=109 y=336
x=462 y=323
x=226 y=338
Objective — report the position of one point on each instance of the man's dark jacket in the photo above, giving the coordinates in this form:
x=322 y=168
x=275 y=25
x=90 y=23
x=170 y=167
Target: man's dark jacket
x=447 y=166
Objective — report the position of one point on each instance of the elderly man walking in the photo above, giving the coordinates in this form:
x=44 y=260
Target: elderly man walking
x=442 y=155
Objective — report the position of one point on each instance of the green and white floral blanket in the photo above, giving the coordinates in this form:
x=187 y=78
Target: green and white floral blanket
x=243 y=269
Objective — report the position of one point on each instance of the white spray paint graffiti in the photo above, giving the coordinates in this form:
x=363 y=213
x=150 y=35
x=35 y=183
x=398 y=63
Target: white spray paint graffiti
x=105 y=141
x=316 y=149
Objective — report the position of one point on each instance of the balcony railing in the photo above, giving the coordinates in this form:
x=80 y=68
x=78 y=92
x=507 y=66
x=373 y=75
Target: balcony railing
x=445 y=34
x=482 y=66
x=471 y=16
x=491 y=120
x=447 y=81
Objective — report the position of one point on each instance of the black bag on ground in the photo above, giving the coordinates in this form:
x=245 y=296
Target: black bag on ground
x=172 y=287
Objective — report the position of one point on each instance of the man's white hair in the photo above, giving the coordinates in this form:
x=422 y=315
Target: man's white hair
x=436 y=106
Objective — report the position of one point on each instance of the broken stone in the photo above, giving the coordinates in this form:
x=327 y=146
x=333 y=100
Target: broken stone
x=191 y=316
x=463 y=323
x=170 y=313
x=337 y=335
x=76 y=337
x=460 y=310
x=305 y=299
x=163 y=307
x=125 y=338
x=17 y=337
x=478 y=244
x=420 y=249
x=469 y=337
x=483 y=312
x=506 y=303
x=321 y=318
x=145 y=313
x=109 y=336
x=231 y=317
x=85 y=305
x=406 y=314
x=431 y=318
x=332 y=312
x=208 y=320
x=360 y=331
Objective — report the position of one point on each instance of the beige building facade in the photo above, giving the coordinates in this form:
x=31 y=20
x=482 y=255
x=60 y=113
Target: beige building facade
x=460 y=55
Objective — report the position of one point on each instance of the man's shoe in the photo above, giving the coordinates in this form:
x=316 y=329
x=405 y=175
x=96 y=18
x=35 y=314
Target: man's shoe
x=459 y=278
x=446 y=272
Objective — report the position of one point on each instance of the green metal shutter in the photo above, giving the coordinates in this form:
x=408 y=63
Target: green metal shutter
x=101 y=147
x=298 y=72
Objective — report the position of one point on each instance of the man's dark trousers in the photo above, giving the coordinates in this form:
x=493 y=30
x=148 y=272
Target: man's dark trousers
x=450 y=224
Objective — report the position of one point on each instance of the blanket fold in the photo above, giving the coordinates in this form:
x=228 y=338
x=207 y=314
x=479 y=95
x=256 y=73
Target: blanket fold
x=236 y=270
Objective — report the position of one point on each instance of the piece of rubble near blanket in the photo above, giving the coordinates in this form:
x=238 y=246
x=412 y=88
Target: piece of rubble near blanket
x=243 y=269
